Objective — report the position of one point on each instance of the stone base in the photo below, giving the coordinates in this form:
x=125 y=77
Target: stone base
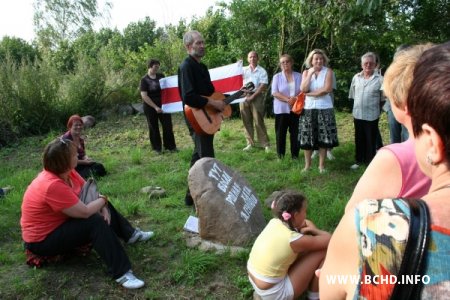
x=195 y=241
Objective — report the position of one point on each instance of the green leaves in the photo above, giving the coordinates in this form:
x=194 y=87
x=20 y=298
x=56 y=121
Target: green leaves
x=58 y=20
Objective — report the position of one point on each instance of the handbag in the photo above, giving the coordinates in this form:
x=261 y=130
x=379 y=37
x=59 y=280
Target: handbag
x=89 y=192
x=413 y=262
x=299 y=103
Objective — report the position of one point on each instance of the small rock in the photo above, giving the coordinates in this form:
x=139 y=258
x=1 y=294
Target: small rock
x=154 y=191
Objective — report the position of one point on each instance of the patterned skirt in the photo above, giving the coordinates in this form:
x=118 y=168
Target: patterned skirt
x=317 y=129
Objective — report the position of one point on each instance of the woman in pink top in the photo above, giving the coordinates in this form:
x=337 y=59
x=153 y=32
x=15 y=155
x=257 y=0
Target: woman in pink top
x=394 y=171
x=368 y=246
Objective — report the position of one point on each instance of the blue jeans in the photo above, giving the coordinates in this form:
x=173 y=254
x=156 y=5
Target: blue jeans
x=397 y=131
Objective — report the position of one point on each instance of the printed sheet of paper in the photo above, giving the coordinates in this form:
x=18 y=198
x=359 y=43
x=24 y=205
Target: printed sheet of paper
x=191 y=224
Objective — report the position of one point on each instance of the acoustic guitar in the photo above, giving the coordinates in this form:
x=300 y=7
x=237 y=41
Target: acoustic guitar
x=207 y=120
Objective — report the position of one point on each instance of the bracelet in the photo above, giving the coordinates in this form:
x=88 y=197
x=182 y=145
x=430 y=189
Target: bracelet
x=104 y=198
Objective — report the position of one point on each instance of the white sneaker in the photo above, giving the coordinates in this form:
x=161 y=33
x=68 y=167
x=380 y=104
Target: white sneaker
x=248 y=147
x=5 y=190
x=314 y=154
x=129 y=281
x=267 y=149
x=140 y=236
x=354 y=167
x=330 y=155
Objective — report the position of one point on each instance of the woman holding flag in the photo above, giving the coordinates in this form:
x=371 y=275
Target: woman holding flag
x=151 y=96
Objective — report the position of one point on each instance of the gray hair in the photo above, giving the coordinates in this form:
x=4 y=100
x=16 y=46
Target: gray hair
x=253 y=51
x=369 y=54
x=188 y=37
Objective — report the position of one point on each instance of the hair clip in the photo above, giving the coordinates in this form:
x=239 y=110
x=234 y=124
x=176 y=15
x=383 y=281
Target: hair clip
x=286 y=216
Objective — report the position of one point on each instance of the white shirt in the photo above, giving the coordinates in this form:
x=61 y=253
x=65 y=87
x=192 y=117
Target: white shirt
x=257 y=76
x=367 y=95
x=318 y=102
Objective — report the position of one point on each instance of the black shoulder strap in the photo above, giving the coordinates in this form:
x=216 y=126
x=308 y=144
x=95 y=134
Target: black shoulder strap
x=413 y=262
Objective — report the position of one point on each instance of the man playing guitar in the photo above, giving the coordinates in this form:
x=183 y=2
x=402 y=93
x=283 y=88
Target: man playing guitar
x=194 y=82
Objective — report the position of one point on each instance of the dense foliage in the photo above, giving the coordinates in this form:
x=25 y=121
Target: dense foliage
x=71 y=68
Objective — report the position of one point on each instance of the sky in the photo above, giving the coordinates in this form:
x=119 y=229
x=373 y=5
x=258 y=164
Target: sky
x=16 y=16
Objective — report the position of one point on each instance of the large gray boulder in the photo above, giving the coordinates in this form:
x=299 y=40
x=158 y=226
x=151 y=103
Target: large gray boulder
x=138 y=107
x=88 y=121
x=228 y=210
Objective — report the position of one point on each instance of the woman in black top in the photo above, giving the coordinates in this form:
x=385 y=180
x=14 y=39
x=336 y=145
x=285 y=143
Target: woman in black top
x=151 y=95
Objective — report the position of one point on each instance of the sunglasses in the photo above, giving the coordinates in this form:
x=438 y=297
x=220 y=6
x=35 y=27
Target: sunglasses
x=64 y=141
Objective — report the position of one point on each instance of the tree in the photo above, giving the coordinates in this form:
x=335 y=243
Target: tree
x=138 y=34
x=61 y=20
x=17 y=49
x=91 y=43
x=168 y=49
x=254 y=25
x=432 y=20
x=213 y=27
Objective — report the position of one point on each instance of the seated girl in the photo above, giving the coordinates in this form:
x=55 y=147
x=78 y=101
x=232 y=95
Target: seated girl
x=287 y=252
x=86 y=166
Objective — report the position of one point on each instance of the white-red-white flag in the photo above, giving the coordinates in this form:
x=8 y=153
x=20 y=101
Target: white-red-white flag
x=227 y=80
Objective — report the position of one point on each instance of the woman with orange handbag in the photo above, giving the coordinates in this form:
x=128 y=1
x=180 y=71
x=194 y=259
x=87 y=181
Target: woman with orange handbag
x=285 y=86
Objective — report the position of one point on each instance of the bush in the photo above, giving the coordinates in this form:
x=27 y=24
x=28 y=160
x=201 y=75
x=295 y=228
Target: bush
x=84 y=90
x=36 y=98
x=28 y=96
x=7 y=134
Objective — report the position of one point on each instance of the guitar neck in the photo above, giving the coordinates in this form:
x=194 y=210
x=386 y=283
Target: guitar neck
x=233 y=97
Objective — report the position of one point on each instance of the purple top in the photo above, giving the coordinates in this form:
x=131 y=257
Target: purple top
x=281 y=85
x=80 y=149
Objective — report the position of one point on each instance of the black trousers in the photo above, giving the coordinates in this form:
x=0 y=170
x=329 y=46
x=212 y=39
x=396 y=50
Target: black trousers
x=366 y=140
x=283 y=123
x=104 y=238
x=168 y=139
x=92 y=170
x=203 y=147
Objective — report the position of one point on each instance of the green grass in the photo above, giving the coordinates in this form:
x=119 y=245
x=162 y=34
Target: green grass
x=170 y=269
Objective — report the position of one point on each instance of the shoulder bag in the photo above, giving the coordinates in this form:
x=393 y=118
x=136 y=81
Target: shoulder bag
x=299 y=103
x=89 y=192
x=413 y=262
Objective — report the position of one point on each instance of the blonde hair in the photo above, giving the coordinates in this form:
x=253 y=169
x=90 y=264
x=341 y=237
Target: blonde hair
x=399 y=75
x=308 y=60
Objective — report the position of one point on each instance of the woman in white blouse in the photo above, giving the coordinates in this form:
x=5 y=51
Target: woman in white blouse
x=317 y=125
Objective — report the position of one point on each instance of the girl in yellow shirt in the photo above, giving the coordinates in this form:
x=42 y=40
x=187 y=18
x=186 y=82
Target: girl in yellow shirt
x=288 y=251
